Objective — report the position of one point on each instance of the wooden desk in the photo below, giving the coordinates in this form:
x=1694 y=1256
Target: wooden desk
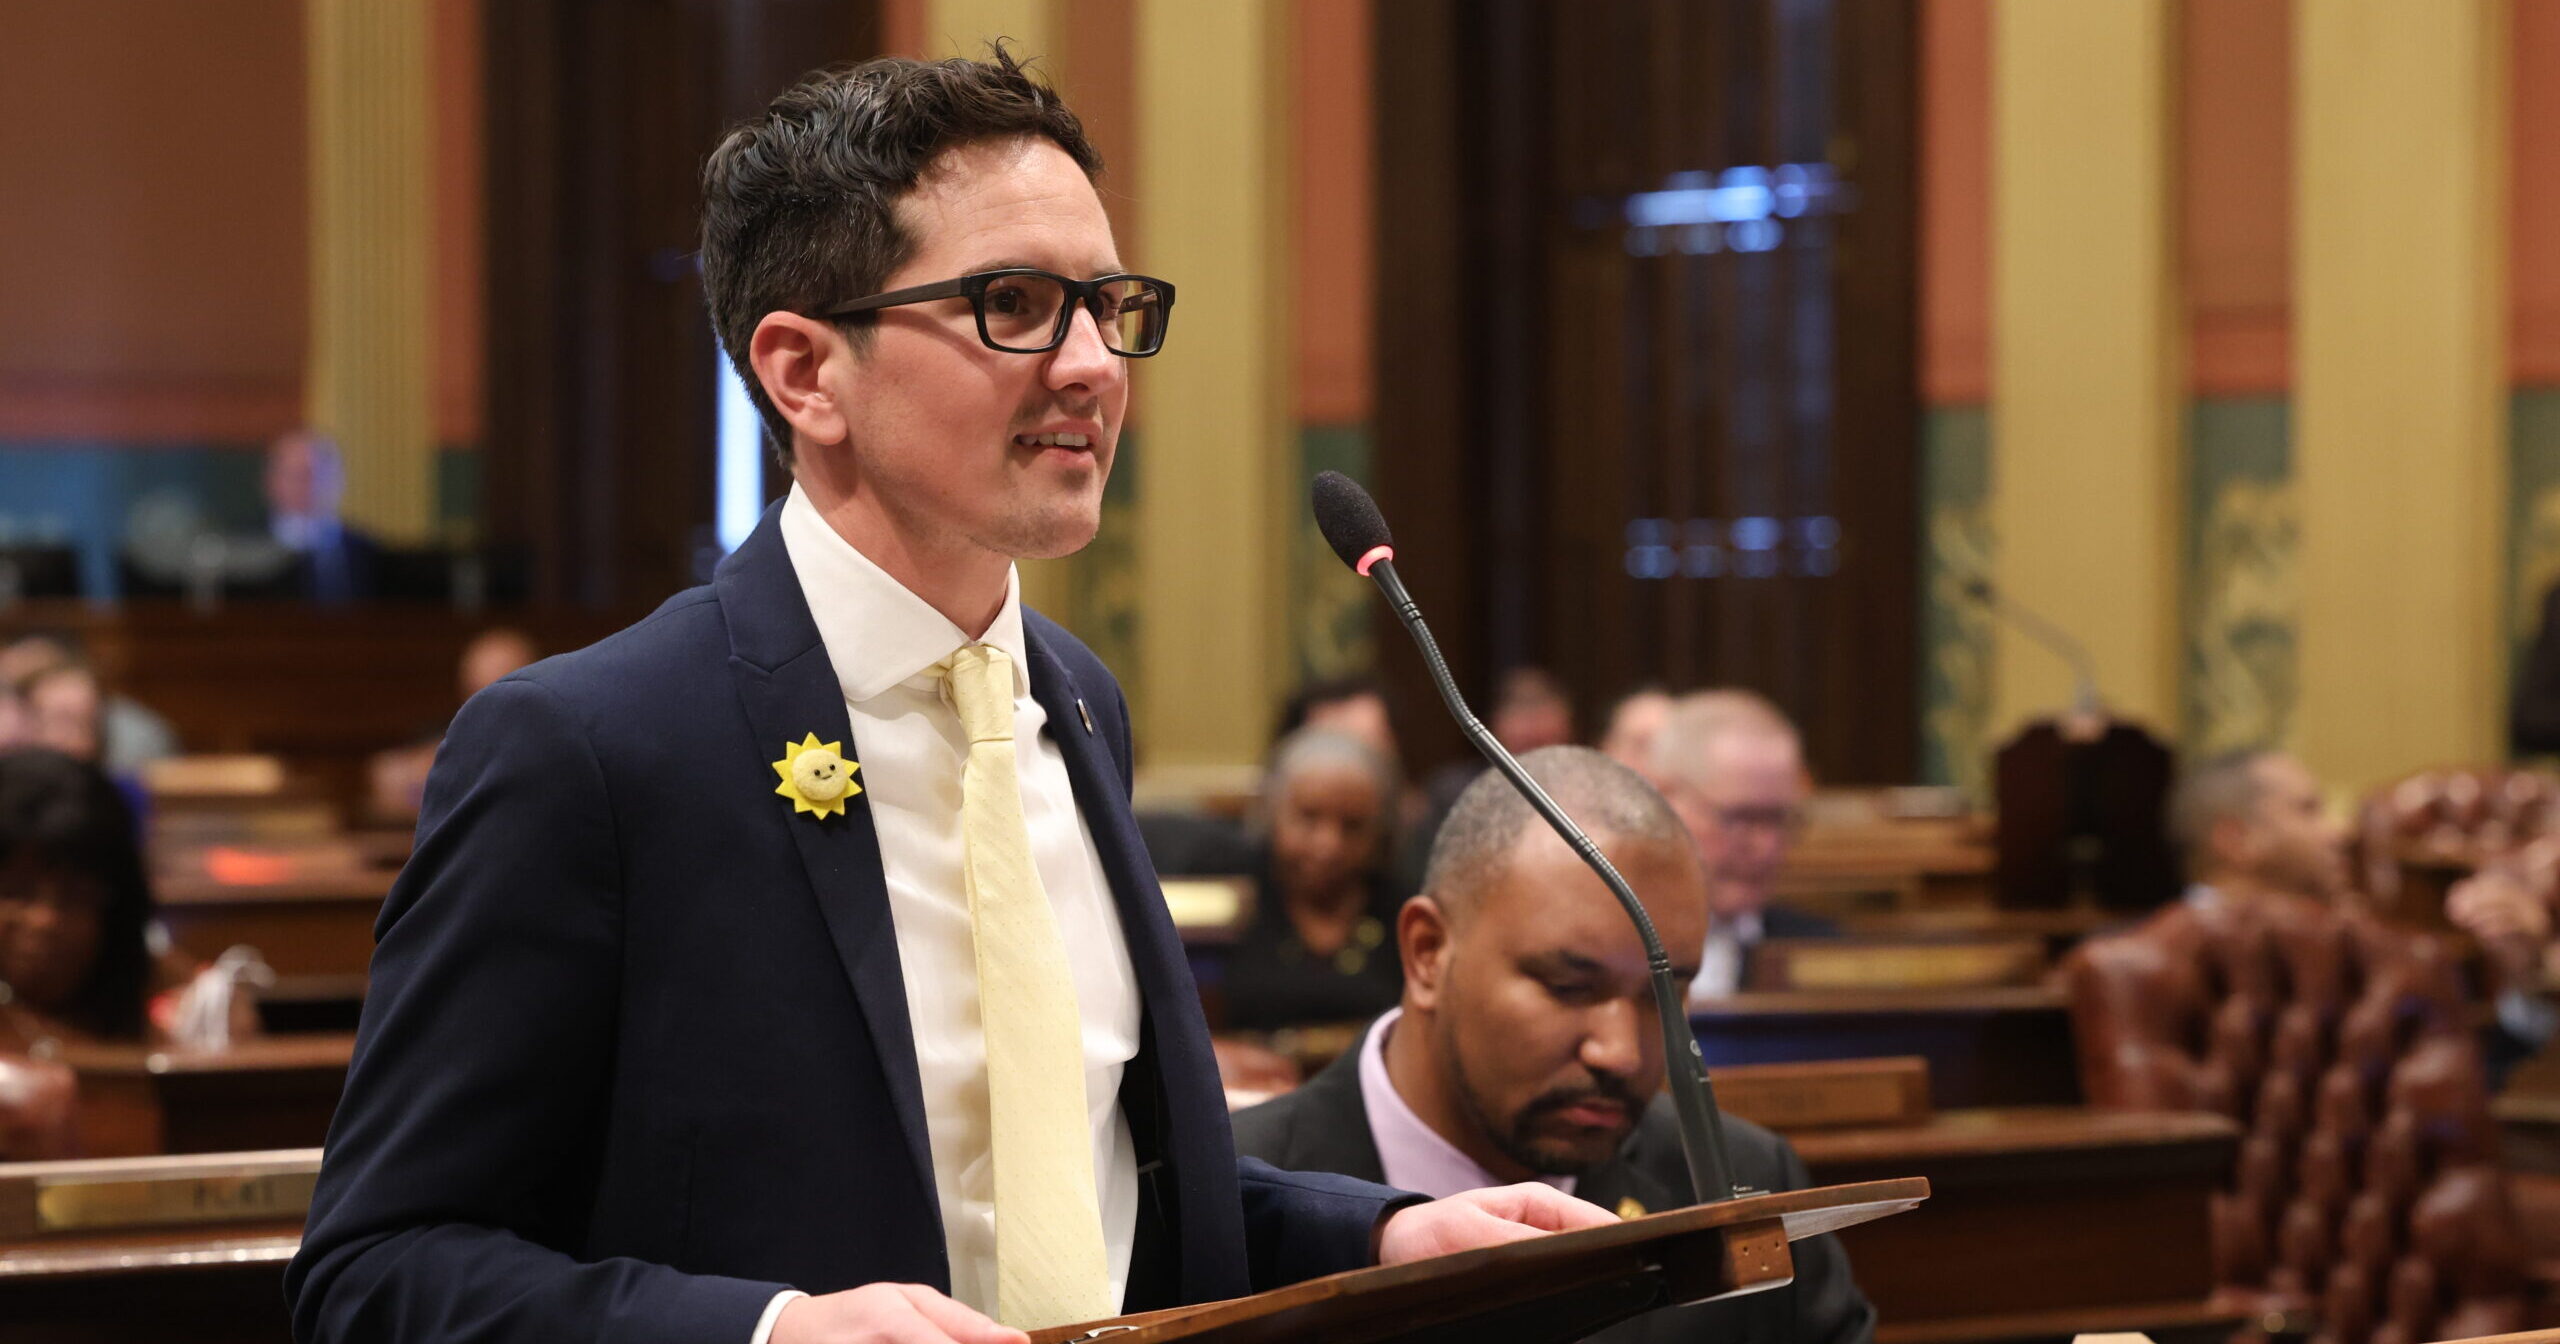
x=1839 y=868
x=2059 y=1220
x=1985 y=1047
x=303 y=926
x=2059 y=930
x=321 y=687
x=171 y=1248
x=271 y=1092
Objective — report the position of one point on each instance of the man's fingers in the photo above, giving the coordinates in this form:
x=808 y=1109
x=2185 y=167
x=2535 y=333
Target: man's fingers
x=1489 y=1229
x=958 y=1321
x=1545 y=1207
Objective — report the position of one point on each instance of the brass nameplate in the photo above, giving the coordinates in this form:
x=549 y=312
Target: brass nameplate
x=1817 y=1102
x=93 y=1206
x=1919 y=966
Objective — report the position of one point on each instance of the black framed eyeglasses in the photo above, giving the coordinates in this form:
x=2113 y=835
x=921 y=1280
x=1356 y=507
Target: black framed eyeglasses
x=1025 y=311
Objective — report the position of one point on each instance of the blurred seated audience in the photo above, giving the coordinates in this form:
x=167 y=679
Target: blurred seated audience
x=2252 y=824
x=1733 y=769
x=1320 y=947
x=2506 y=907
x=1252 y=1073
x=1530 y=710
x=1633 y=723
x=74 y=903
x=1525 y=1046
x=398 y=776
x=306 y=480
x=1351 y=706
x=2368 y=1190
x=128 y=736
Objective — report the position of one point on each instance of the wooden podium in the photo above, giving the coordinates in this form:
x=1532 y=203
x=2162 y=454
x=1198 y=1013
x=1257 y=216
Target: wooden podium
x=1548 y=1288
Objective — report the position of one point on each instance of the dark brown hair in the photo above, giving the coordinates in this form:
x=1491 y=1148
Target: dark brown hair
x=799 y=205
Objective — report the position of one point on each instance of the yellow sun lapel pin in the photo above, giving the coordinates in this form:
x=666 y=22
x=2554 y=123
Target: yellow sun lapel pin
x=815 y=776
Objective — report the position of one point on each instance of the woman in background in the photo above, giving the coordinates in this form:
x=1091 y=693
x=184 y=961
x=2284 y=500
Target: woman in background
x=1322 y=946
x=74 y=903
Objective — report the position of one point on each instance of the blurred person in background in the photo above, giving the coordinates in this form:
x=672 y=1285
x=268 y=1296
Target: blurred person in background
x=130 y=735
x=74 y=904
x=397 y=777
x=1632 y=725
x=1530 y=710
x=1733 y=768
x=2253 y=824
x=1351 y=706
x=305 y=481
x=1321 y=945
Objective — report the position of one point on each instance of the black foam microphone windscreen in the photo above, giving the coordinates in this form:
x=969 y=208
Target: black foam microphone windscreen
x=1348 y=517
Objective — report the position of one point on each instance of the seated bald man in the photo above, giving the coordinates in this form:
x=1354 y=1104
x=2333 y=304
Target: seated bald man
x=1526 y=1046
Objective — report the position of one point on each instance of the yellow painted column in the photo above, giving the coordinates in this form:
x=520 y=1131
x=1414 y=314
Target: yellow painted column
x=2399 y=405
x=2084 y=388
x=371 y=248
x=1213 y=497
x=964 y=27
x=1031 y=32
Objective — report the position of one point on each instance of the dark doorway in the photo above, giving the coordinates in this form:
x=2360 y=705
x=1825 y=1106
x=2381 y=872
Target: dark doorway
x=1648 y=406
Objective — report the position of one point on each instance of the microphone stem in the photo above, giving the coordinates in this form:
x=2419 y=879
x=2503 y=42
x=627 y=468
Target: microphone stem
x=1701 y=1124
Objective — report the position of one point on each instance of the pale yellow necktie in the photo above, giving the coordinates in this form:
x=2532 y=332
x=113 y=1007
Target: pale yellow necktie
x=1050 y=1265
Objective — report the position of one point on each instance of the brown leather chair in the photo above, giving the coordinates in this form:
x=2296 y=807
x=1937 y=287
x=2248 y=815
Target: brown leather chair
x=2464 y=817
x=2367 y=1191
x=37 y=1118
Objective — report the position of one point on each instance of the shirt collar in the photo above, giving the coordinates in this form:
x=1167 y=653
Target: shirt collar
x=1747 y=927
x=878 y=633
x=1411 y=1154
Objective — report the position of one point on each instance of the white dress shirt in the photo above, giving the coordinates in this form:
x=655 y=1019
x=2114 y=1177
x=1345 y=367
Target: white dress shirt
x=1720 y=965
x=883 y=642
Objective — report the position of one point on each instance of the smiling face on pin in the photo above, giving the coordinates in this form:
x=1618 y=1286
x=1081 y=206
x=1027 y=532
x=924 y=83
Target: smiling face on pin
x=820 y=775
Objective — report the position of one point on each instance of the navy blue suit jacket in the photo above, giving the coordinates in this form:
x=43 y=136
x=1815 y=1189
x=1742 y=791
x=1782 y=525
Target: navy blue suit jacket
x=636 y=1053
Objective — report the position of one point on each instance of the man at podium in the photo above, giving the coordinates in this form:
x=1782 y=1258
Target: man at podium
x=788 y=966
x=1526 y=1047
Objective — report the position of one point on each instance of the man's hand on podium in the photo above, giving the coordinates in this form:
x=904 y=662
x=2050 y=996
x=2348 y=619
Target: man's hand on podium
x=887 y=1313
x=1478 y=1218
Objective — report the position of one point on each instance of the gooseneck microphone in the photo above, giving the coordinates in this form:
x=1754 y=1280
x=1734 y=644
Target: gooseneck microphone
x=2055 y=639
x=1355 y=529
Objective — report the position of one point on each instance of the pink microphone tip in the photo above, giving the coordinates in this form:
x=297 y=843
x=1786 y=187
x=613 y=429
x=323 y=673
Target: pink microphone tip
x=1372 y=556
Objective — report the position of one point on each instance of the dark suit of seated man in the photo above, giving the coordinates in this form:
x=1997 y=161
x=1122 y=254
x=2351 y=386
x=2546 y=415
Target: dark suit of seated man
x=1732 y=767
x=1526 y=1046
x=672 y=1040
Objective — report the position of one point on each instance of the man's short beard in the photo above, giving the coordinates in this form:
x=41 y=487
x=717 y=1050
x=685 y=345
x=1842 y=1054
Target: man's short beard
x=1515 y=1142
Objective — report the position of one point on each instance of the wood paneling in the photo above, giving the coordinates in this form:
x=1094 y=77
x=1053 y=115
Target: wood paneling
x=1556 y=380
x=601 y=356
x=152 y=226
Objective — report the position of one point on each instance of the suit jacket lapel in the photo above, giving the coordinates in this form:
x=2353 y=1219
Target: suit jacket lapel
x=1194 y=1140
x=1155 y=948
x=1330 y=1131
x=789 y=689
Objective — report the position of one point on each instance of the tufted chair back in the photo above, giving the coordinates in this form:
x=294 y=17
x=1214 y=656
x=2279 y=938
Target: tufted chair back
x=2463 y=817
x=2367 y=1191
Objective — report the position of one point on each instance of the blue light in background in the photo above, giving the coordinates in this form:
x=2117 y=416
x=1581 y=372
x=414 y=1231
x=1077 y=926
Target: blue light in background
x=741 y=474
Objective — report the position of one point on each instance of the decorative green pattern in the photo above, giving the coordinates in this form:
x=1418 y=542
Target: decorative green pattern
x=2533 y=509
x=1955 y=633
x=1102 y=579
x=1330 y=608
x=2239 y=593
